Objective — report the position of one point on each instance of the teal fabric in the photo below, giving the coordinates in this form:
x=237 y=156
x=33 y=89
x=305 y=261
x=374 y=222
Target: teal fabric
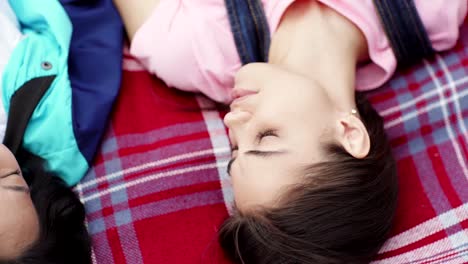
x=49 y=133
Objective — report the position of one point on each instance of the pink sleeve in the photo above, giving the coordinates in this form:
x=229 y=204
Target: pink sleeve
x=441 y=20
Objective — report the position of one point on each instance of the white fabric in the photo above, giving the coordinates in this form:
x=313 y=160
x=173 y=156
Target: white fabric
x=10 y=35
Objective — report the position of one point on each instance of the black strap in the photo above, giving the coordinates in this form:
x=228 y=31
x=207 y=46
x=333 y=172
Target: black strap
x=400 y=20
x=250 y=29
x=405 y=30
x=22 y=105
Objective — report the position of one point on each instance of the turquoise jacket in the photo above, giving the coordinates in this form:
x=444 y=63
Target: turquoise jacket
x=39 y=97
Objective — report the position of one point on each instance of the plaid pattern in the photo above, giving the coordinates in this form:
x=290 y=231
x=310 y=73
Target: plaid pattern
x=157 y=191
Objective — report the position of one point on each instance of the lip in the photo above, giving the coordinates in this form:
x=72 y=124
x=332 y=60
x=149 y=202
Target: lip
x=240 y=94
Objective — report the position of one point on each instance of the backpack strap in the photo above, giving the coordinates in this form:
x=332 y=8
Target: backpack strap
x=250 y=29
x=22 y=105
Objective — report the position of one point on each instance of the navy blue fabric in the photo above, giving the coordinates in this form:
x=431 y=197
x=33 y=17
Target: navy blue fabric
x=95 y=68
x=250 y=29
x=405 y=30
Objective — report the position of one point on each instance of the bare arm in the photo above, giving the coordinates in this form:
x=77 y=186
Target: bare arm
x=134 y=13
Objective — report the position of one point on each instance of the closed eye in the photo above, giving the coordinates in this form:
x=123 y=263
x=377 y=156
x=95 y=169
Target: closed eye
x=12 y=173
x=259 y=137
x=266 y=133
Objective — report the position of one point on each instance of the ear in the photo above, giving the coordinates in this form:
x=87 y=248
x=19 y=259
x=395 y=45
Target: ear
x=353 y=136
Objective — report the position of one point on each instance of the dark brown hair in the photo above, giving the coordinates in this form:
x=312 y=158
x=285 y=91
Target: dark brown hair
x=342 y=213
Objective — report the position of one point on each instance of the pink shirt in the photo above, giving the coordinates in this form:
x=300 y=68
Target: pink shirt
x=189 y=45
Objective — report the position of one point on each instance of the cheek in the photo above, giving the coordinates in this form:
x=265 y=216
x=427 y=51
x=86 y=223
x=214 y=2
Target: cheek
x=290 y=106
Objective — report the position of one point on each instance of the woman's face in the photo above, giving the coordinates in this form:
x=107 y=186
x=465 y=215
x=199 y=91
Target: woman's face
x=19 y=223
x=277 y=127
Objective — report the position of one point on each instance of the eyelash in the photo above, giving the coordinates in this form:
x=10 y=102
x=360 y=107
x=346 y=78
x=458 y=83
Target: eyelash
x=266 y=133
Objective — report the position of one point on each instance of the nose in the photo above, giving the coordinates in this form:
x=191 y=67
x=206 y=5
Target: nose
x=236 y=118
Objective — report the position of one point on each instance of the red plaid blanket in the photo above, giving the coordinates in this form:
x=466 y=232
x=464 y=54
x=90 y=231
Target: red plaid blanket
x=157 y=191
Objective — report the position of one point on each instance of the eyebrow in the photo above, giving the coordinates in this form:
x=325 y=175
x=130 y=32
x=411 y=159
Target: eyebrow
x=257 y=153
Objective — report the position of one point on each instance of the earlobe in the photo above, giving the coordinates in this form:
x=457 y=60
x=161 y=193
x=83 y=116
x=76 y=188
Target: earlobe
x=353 y=136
